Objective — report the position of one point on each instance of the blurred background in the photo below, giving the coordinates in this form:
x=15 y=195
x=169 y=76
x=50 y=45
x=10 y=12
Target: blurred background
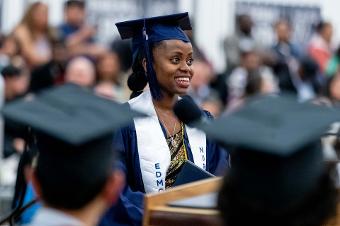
x=241 y=48
x=214 y=19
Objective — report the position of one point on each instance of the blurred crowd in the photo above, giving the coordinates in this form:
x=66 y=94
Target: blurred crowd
x=36 y=56
x=310 y=71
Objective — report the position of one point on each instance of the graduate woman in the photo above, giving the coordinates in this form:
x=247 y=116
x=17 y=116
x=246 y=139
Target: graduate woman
x=154 y=149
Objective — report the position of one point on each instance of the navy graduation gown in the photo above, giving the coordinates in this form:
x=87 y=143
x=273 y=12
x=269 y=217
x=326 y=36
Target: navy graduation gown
x=129 y=209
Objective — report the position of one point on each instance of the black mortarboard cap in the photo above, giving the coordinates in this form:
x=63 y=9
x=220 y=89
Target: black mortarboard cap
x=144 y=32
x=274 y=142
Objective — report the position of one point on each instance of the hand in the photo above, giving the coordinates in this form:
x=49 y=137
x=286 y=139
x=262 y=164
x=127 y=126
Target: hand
x=88 y=31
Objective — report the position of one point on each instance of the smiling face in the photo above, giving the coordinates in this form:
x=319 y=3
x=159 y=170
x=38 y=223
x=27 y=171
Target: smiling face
x=173 y=66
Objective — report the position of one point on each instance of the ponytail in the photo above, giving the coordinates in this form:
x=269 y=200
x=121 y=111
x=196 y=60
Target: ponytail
x=137 y=80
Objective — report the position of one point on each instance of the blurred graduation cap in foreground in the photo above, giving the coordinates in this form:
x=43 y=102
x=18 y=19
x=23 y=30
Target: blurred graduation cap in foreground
x=277 y=125
x=275 y=148
x=70 y=120
x=72 y=130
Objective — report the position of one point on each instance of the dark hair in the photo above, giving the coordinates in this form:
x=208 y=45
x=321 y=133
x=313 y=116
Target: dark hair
x=316 y=208
x=138 y=80
x=74 y=3
x=321 y=25
x=309 y=66
x=242 y=17
x=11 y=71
x=70 y=177
x=254 y=81
x=337 y=52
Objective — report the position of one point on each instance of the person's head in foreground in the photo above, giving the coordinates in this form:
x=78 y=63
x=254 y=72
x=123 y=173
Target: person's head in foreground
x=162 y=54
x=277 y=175
x=74 y=172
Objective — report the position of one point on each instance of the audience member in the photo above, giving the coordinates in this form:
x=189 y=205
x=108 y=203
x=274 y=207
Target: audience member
x=238 y=79
x=257 y=83
x=123 y=49
x=319 y=46
x=243 y=37
x=34 y=35
x=81 y=71
x=52 y=72
x=284 y=48
x=9 y=49
x=109 y=77
x=308 y=83
x=78 y=35
x=15 y=85
x=287 y=55
x=16 y=82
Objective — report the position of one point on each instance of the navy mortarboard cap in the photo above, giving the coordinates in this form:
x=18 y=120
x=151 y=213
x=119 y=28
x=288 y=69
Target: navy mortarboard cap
x=147 y=31
x=275 y=148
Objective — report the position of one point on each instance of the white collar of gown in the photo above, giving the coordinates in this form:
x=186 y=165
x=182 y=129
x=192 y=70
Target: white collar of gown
x=153 y=150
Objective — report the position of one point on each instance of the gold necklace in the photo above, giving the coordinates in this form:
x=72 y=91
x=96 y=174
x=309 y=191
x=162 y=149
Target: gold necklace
x=172 y=140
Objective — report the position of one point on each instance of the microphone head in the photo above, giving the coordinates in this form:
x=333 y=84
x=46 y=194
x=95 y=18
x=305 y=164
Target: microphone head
x=187 y=110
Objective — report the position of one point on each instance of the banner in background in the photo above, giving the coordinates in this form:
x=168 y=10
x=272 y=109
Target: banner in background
x=105 y=13
x=302 y=18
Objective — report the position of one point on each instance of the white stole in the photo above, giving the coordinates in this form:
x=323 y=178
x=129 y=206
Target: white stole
x=153 y=150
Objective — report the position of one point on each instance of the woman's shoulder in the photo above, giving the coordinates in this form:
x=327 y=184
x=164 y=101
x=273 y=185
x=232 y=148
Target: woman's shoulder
x=22 y=34
x=21 y=30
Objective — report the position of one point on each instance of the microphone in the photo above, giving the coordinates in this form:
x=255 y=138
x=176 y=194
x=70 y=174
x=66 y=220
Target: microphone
x=188 y=112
